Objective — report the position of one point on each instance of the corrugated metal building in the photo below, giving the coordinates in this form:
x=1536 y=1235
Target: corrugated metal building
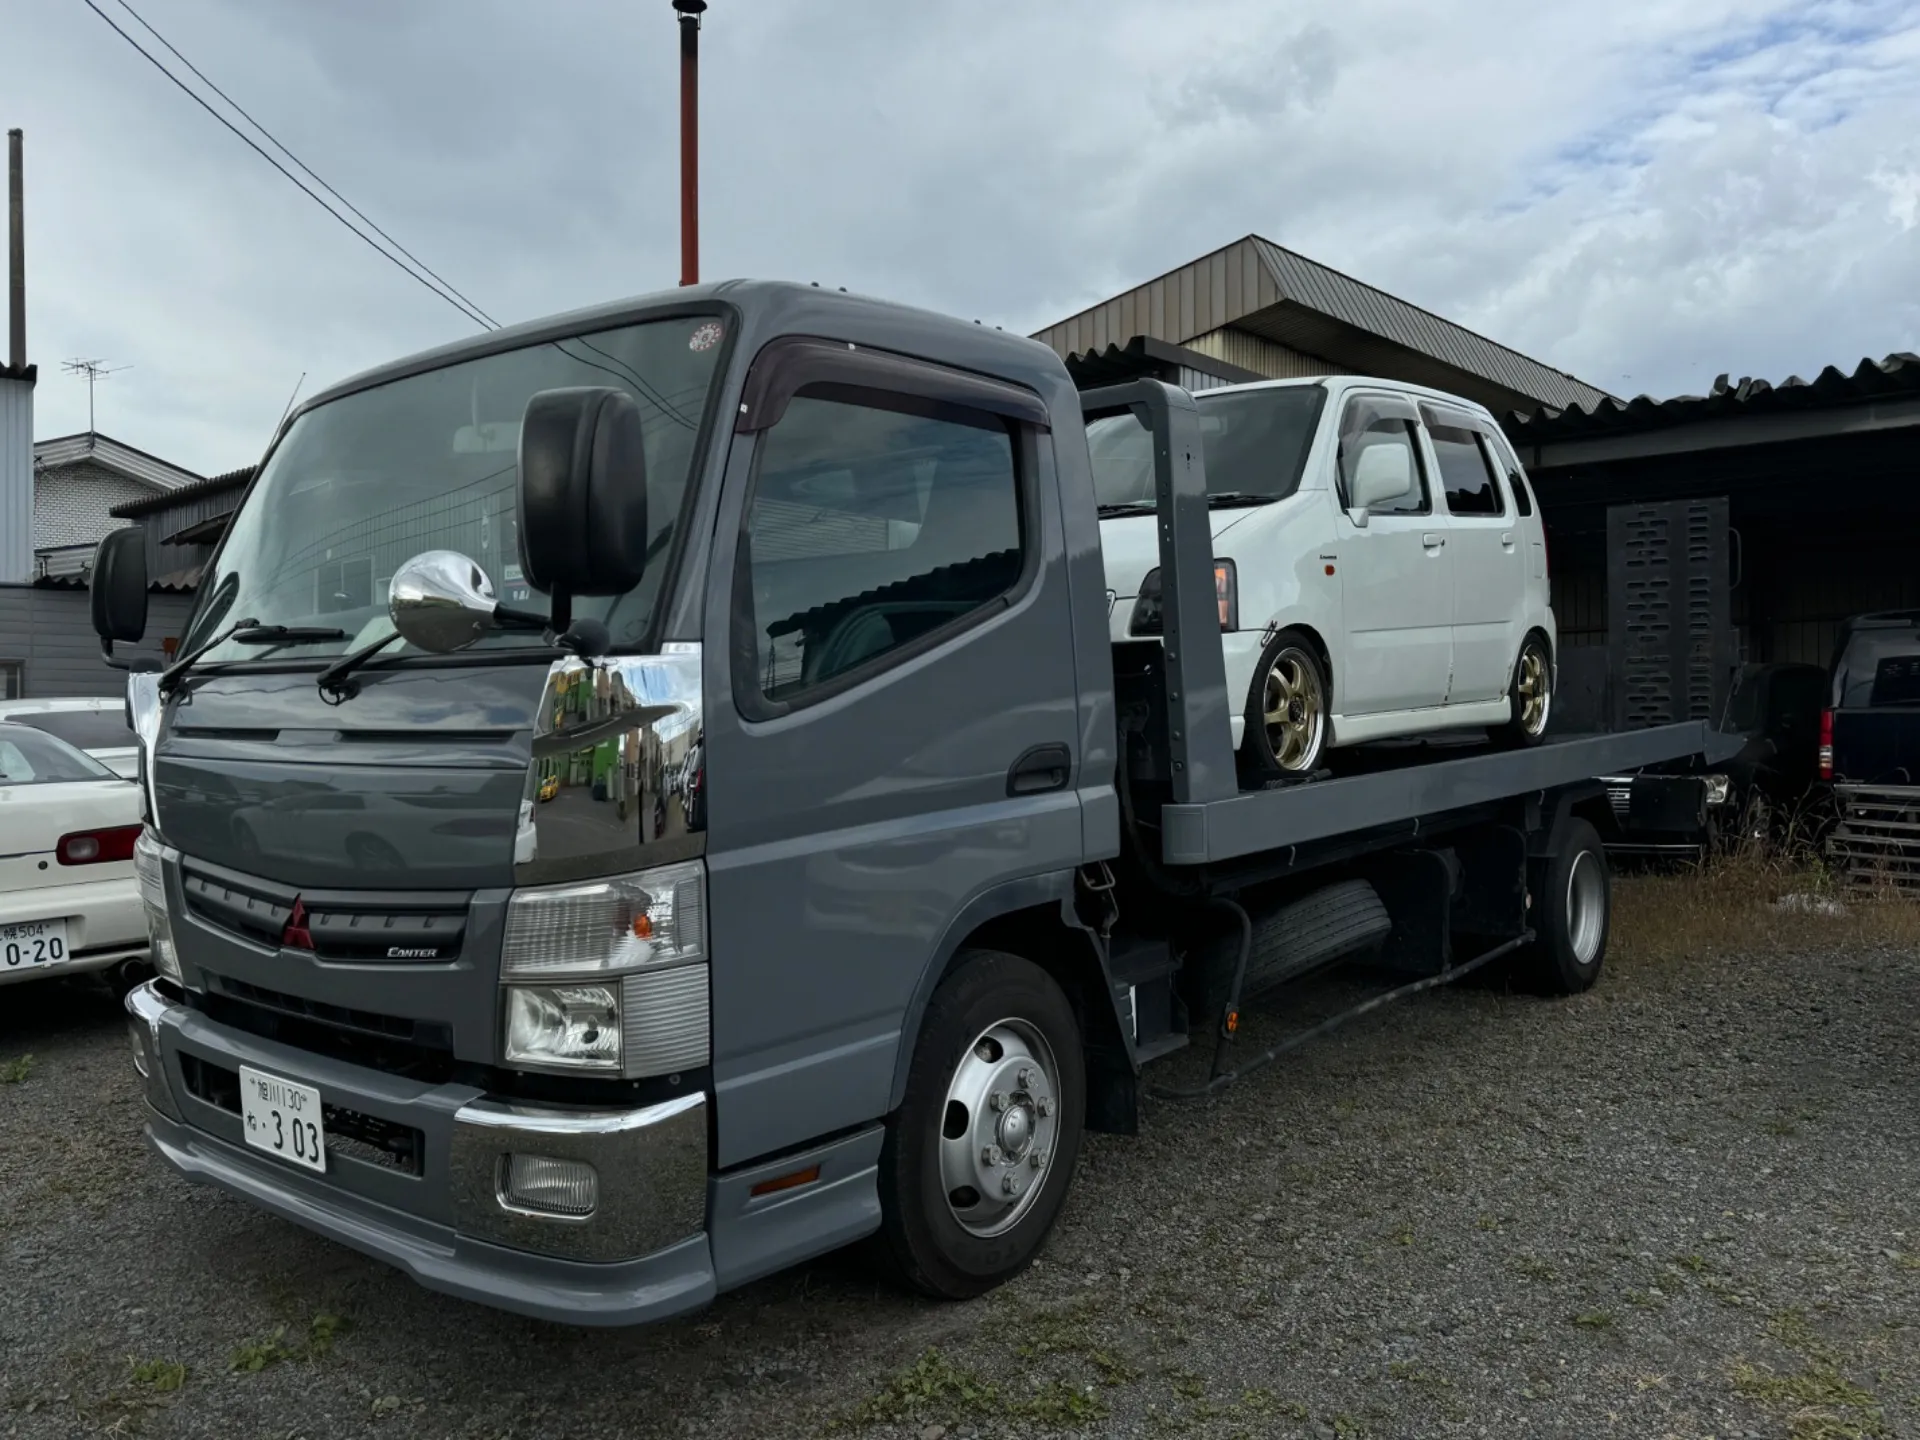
x=1820 y=478
x=1254 y=310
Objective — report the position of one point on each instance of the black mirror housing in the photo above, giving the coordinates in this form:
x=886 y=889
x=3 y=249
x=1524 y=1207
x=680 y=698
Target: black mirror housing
x=118 y=585
x=583 y=492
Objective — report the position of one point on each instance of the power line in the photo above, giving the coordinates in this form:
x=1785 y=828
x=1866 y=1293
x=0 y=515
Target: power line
x=463 y=306
x=305 y=168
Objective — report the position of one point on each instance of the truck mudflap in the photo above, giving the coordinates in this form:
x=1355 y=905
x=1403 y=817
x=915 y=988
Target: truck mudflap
x=640 y=1253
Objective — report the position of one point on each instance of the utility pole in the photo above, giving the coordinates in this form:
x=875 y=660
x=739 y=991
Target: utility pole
x=16 y=257
x=690 y=12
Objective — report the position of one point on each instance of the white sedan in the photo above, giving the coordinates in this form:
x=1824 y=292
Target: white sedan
x=69 y=902
x=88 y=723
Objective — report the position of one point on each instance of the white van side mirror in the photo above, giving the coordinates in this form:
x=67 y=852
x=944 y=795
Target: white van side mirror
x=1385 y=473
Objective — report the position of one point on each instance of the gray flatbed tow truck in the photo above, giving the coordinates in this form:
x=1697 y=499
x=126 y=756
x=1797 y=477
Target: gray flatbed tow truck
x=782 y=855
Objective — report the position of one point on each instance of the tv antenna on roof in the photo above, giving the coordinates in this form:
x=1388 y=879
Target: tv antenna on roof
x=95 y=371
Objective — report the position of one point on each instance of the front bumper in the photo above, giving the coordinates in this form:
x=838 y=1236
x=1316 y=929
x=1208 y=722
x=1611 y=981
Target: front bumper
x=642 y=1255
x=105 y=925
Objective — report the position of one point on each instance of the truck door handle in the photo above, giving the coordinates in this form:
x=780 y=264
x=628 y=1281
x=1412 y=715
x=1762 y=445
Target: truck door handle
x=1043 y=768
x=1506 y=538
x=1432 y=540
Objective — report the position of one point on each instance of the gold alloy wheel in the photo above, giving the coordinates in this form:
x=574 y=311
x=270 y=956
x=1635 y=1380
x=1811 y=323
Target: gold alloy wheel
x=1291 y=705
x=1533 y=689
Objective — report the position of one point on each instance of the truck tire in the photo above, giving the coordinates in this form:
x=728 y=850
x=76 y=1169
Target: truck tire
x=1289 y=709
x=1529 y=694
x=1572 y=914
x=979 y=1156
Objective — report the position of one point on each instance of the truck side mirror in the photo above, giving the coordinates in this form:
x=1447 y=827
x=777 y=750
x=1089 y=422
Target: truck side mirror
x=583 y=494
x=118 y=586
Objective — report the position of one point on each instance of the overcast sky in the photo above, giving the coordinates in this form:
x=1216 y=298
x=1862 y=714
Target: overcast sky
x=1643 y=192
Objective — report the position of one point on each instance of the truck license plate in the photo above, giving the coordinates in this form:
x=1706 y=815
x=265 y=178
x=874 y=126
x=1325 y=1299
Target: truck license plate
x=282 y=1118
x=38 y=942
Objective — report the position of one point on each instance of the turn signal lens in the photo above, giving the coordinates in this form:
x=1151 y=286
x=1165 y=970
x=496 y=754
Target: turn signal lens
x=607 y=927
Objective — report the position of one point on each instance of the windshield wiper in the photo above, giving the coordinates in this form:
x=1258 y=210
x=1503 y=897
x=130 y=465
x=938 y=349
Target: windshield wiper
x=332 y=690
x=1126 y=507
x=1235 y=499
x=248 y=632
x=287 y=634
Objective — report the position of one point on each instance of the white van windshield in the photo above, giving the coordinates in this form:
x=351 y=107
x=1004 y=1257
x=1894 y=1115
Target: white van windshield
x=1255 y=442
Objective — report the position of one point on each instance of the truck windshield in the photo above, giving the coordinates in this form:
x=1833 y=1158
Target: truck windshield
x=361 y=484
x=1255 y=443
x=1880 y=667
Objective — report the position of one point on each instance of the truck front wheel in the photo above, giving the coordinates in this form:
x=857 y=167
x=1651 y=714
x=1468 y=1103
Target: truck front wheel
x=978 y=1158
x=1572 y=914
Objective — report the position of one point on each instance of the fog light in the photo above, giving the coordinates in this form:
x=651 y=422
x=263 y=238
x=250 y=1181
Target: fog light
x=545 y=1186
x=139 y=1043
x=1718 y=788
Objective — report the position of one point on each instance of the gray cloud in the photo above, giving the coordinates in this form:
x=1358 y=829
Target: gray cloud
x=1644 y=197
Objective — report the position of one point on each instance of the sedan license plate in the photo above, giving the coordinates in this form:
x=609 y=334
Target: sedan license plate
x=38 y=942
x=282 y=1118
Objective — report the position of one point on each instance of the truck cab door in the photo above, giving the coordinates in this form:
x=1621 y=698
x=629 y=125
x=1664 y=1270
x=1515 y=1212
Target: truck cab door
x=892 y=715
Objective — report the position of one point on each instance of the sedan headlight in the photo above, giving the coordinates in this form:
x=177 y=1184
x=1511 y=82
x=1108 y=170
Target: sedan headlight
x=148 y=853
x=618 y=972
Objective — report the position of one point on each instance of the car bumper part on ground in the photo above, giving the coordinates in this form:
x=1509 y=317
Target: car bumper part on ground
x=642 y=1254
x=105 y=925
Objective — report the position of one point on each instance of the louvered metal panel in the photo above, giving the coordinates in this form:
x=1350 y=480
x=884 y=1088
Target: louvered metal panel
x=1669 y=611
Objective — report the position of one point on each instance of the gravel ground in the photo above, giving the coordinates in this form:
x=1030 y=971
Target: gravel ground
x=1682 y=1205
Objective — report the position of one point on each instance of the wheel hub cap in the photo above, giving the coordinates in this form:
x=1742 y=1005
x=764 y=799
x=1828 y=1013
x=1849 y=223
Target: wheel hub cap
x=999 y=1127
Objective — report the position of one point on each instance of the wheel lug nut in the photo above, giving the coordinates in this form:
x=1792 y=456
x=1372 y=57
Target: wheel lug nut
x=990 y=1155
x=1038 y=1159
x=998 y=1100
x=1010 y=1185
x=1044 y=1105
x=1027 y=1078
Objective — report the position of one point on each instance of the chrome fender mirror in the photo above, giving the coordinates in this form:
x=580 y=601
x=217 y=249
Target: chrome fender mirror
x=441 y=601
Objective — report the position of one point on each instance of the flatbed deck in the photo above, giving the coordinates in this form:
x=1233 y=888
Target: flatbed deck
x=1250 y=822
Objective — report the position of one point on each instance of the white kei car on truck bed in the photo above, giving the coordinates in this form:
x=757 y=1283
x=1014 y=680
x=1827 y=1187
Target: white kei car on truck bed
x=1380 y=563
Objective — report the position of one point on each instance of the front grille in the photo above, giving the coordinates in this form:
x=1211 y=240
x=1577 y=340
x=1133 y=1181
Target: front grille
x=1877 y=843
x=397 y=926
x=1620 y=797
x=351 y=1134
x=418 y=1049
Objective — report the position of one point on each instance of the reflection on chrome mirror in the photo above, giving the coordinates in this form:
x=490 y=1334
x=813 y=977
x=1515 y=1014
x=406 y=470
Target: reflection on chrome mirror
x=441 y=601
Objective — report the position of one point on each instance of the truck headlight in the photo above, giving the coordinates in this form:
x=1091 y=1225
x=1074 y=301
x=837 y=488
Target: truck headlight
x=1719 y=787
x=575 y=1026
x=625 y=957
x=148 y=854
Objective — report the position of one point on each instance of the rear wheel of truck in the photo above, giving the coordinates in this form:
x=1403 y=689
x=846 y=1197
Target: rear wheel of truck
x=979 y=1156
x=1572 y=914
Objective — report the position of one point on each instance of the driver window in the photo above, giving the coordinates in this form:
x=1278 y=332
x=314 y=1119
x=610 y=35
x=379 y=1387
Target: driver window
x=872 y=527
x=1362 y=429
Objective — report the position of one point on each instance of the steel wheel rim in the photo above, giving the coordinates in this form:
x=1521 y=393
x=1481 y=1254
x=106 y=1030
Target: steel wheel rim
x=1291 y=710
x=1534 y=689
x=999 y=1128
x=1586 y=907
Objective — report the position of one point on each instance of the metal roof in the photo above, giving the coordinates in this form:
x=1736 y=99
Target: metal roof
x=1142 y=355
x=212 y=485
x=1896 y=377
x=121 y=458
x=1260 y=288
